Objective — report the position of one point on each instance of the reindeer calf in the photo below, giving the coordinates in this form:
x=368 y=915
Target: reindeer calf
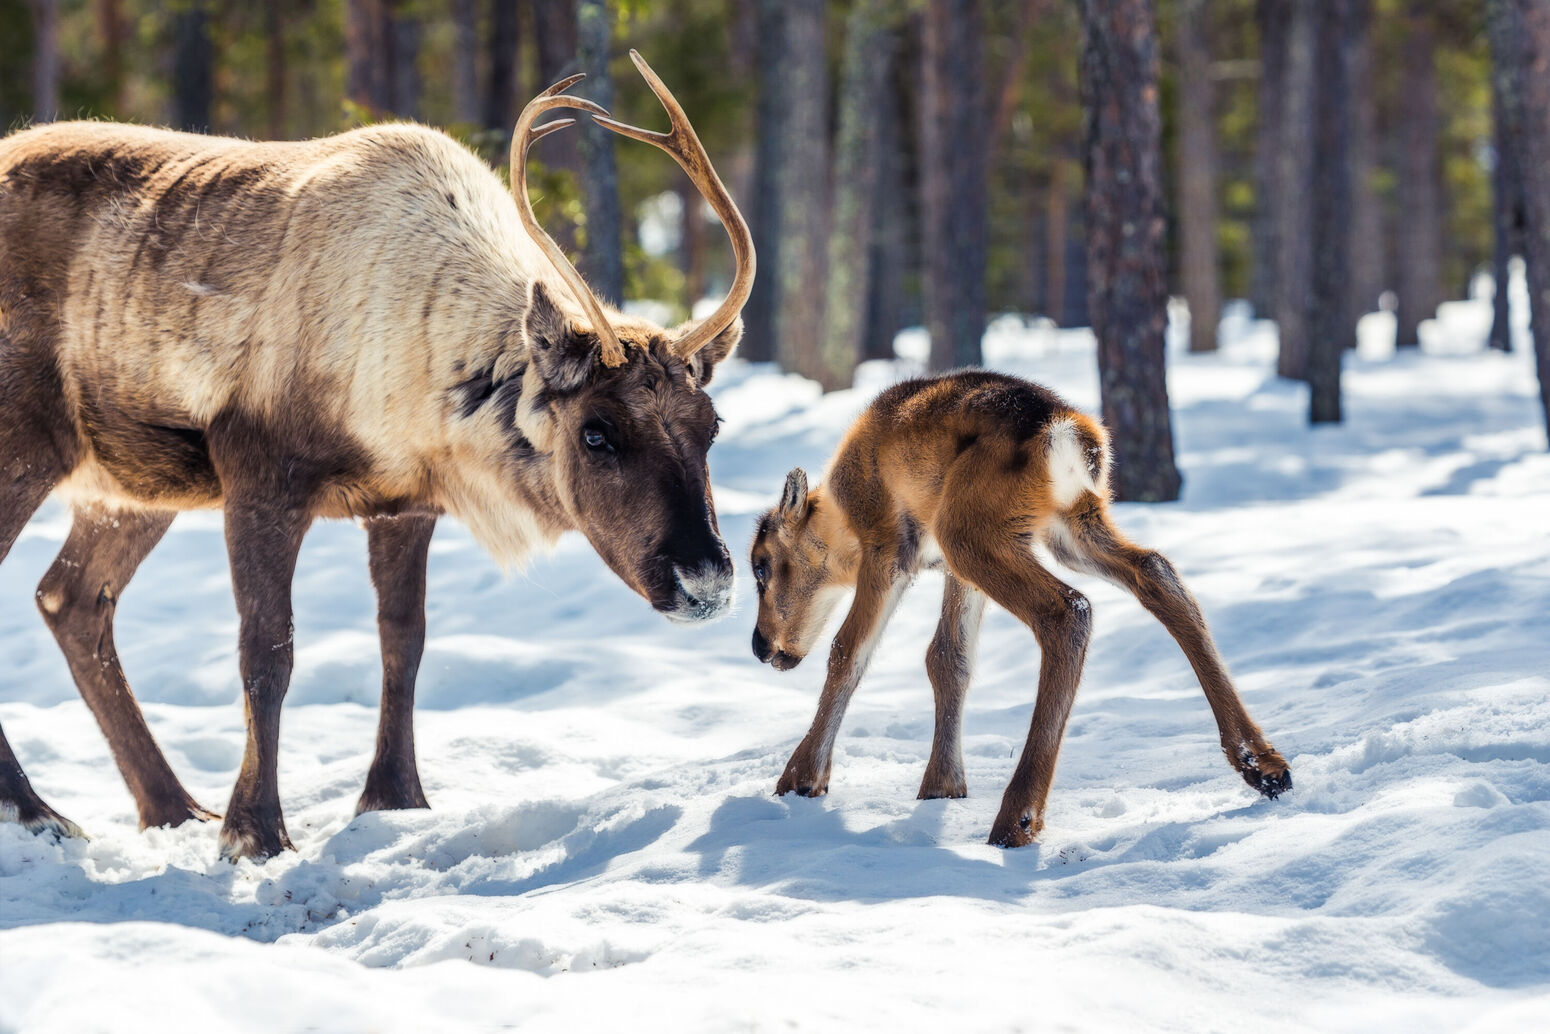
x=967 y=471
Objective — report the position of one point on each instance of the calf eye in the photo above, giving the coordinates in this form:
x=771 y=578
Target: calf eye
x=761 y=573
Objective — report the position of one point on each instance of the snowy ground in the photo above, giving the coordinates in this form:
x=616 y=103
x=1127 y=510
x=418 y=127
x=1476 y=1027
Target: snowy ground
x=605 y=852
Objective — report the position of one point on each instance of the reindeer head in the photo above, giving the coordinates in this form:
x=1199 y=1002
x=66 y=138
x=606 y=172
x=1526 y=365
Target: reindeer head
x=617 y=404
x=804 y=558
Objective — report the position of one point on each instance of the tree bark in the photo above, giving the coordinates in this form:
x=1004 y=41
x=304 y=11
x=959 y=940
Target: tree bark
x=275 y=13
x=1534 y=56
x=954 y=185
x=1368 y=279
x=45 y=60
x=192 y=68
x=110 y=28
x=465 y=61
x=759 y=342
x=1197 y=177
x=602 y=261
x=1505 y=23
x=1419 y=273
x=892 y=217
x=1329 y=306
x=803 y=186
x=1294 y=204
x=1274 y=20
x=1128 y=293
x=500 y=99
x=863 y=78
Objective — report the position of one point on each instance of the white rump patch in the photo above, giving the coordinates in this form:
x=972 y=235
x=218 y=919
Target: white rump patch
x=1068 y=473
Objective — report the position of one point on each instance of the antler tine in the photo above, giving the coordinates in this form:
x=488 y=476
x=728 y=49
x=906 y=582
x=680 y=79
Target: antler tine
x=521 y=139
x=684 y=145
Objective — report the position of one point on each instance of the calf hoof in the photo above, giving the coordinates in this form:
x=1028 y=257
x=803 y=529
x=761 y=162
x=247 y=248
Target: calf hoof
x=802 y=777
x=934 y=788
x=174 y=814
x=391 y=796
x=1016 y=832
x=257 y=845
x=1266 y=772
x=36 y=817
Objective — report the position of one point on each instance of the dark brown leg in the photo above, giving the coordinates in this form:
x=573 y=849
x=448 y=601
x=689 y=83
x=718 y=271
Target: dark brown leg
x=948 y=663
x=262 y=540
x=1090 y=542
x=399 y=547
x=878 y=589
x=1061 y=621
x=27 y=475
x=78 y=597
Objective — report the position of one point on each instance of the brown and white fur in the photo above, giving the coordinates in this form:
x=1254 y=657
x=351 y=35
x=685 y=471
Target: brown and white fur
x=356 y=326
x=968 y=471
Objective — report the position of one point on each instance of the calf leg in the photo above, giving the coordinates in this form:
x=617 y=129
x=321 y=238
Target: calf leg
x=878 y=588
x=78 y=597
x=28 y=474
x=948 y=663
x=1061 y=620
x=262 y=539
x=1087 y=540
x=399 y=547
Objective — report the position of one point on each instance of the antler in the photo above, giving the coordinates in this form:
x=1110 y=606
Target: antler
x=521 y=139
x=681 y=142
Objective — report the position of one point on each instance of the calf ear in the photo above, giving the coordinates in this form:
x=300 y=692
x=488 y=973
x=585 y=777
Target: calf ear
x=565 y=358
x=703 y=363
x=793 y=499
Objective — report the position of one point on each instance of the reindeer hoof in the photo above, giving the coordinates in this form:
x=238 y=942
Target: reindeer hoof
x=44 y=821
x=1266 y=772
x=175 y=815
x=1019 y=832
x=255 y=845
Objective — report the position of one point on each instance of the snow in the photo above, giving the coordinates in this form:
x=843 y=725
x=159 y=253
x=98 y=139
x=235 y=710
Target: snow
x=604 y=851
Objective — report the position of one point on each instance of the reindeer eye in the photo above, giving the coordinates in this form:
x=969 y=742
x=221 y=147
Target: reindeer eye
x=594 y=437
x=761 y=573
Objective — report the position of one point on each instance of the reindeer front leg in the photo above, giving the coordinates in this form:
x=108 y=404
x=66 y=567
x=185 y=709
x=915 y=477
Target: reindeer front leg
x=878 y=588
x=399 y=547
x=262 y=539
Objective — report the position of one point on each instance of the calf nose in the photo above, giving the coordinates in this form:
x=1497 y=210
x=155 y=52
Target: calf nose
x=761 y=647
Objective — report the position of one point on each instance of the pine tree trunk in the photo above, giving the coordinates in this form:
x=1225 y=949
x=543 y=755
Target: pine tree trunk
x=45 y=60
x=192 y=70
x=954 y=183
x=1128 y=292
x=691 y=243
x=274 y=68
x=1057 y=225
x=1274 y=20
x=803 y=186
x=1329 y=308
x=465 y=61
x=500 y=98
x=602 y=261
x=365 y=60
x=1506 y=29
x=110 y=28
x=759 y=344
x=1534 y=58
x=1294 y=206
x=554 y=30
x=1368 y=280
x=1419 y=274
x=1197 y=177
x=863 y=78
x=404 y=57
x=892 y=218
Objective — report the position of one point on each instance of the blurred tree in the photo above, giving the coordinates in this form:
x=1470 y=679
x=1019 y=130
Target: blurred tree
x=193 y=82
x=1294 y=182
x=1274 y=18
x=1418 y=274
x=1330 y=330
x=858 y=158
x=465 y=61
x=1368 y=280
x=500 y=98
x=554 y=33
x=602 y=260
x=404 y=53
x=110 y=30
x=45 y=60
x=1531 y=60
x=759 y=339
x=1197 y=182
x=1128 y=293
x=953 y=180
x=803 y=186
x=1507 y=176
x=895 y=221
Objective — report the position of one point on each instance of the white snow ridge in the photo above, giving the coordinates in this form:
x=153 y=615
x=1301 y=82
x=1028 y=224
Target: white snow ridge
x=604 y=851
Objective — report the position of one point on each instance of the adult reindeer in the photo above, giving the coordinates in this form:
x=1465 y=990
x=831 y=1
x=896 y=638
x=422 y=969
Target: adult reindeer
x=367 y=325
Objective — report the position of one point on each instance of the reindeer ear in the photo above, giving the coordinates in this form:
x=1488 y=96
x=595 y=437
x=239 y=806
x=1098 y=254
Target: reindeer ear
x=703 y=363
x=793 y=499
x=564 y=357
